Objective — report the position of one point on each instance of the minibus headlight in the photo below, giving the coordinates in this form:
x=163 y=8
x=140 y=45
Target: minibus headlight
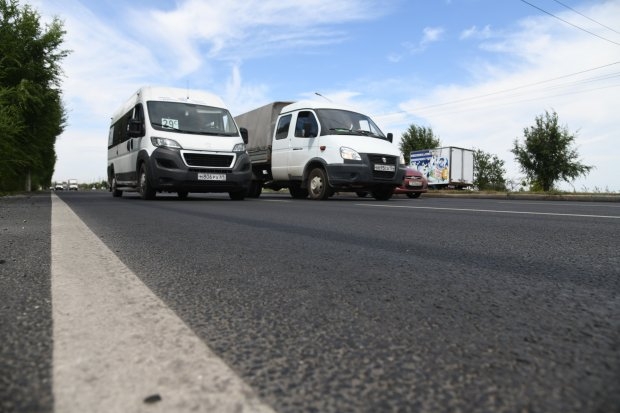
x=402 y=159
x=165 y=142
x=348 y=153
x=240 y=147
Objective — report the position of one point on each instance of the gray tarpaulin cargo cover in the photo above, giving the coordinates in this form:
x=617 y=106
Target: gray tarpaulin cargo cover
x=260 y=124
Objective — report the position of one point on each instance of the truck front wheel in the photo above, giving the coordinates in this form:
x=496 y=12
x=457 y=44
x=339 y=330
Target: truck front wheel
x=318 y=187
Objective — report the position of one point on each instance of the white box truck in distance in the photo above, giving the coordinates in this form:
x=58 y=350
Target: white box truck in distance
x=318 y=148
x=445 y=167
x=176 y=140
x=73 y=185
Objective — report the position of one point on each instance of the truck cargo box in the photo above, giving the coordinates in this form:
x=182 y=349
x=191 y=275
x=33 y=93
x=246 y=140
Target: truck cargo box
x=445 y=167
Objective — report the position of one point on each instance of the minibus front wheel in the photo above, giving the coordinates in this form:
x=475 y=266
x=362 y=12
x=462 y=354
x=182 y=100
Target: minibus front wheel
x=115 y=191
x=144 y=187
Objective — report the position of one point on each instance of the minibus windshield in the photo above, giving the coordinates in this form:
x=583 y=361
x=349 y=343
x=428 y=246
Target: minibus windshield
x=191 y=118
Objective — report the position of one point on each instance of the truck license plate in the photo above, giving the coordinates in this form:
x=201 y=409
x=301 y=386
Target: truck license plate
x=381 y=167
x=202 y=176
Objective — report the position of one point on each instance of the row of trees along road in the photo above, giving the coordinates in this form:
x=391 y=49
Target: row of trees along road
x=32 y=115
x=545 y=157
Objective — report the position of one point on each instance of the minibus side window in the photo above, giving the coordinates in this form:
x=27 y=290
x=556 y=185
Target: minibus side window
x=138 y=115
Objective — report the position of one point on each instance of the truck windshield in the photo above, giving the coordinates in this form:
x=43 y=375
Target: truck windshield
x=346 y=122
x=191 y=118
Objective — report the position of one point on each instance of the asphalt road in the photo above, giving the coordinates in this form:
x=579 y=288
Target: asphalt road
x=426 y=305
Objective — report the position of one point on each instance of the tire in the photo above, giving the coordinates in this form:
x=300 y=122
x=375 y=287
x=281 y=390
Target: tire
x=297 y=191
x=116 y=193
x=413 y=195
x=182 y=194
x=237 y=195
x=362 y=194
x=383 y=194
x=256 y=188
x=144 y=186
x=318 y=187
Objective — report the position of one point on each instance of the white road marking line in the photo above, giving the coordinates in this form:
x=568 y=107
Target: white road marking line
x=116 y=343
x=491 y=211
x=581 y=204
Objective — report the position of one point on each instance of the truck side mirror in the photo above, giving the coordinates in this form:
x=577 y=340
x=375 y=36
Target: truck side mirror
x=244 y=135
x=390 y=137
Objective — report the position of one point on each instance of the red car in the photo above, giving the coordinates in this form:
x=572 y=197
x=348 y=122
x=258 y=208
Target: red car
x=414 y=184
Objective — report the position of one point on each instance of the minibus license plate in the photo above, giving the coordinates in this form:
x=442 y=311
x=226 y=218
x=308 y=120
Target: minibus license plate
x=202 y=176
x=381 y=167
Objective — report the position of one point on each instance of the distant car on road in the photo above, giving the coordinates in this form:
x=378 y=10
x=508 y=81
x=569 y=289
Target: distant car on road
x=414 y=184
x=59 y=187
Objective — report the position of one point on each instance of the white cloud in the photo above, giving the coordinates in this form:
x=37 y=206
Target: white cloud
x=235 y=30
x=429 y=35
x=475 y=33
x=241 y=98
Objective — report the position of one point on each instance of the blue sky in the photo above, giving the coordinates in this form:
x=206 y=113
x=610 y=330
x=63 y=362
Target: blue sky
x=476 y=71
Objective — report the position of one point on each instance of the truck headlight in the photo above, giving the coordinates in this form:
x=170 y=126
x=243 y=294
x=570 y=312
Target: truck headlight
x=348 y=153
x=165 y=142
x=402 y=159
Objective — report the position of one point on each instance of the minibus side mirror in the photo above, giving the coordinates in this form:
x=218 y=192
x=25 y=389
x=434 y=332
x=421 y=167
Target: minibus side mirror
x=390 y=137
x=135 y=128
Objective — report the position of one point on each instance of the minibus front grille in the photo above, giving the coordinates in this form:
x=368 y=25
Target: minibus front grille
x=208 y=160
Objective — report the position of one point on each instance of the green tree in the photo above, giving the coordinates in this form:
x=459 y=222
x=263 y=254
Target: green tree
x=547 y=156
x=488 y=171
x=416 y=138
x=31 y=110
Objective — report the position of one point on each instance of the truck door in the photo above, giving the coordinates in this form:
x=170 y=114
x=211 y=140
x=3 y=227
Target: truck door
x=302 y=143
x=280 y=147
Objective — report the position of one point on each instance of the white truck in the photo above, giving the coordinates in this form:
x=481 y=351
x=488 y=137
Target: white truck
x=448 y=167
x=73 y=185
x=318 y=148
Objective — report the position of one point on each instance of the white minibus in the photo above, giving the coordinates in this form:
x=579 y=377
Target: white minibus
x=176 y=140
